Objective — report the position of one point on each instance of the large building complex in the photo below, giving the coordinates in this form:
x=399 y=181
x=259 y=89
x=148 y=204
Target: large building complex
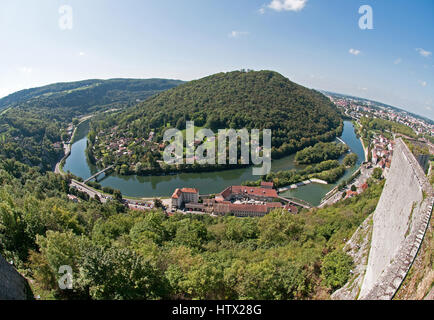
x=242 y=192
x=240 y=201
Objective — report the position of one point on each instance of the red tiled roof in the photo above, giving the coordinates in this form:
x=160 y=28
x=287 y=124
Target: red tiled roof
x=274 y=205
x=351 y=193
x=176 y=194
x=189 y=190
x=234 y=208
x=291 y=208
x=226 y=193
x=248 y=208
x=267 y=184
x=251 y=191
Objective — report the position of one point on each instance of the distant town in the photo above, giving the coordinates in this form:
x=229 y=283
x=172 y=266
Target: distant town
x=357 y=108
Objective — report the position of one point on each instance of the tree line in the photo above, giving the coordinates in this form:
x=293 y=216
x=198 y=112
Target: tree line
x=116 y=253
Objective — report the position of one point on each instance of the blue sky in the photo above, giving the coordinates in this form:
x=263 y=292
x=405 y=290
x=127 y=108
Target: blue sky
x=316 y=43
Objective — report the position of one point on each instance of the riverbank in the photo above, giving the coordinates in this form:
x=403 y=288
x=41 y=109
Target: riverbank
x=365 y=149
x=67 y=146
x=142 y=204
x=358 y=180
x=359 y=133
x=149 y=187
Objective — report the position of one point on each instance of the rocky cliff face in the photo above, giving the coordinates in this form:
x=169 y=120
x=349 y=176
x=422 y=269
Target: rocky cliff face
x=12 y=285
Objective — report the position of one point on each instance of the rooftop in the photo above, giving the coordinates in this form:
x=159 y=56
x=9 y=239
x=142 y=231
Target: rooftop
x=178 y=192
x=250 y=191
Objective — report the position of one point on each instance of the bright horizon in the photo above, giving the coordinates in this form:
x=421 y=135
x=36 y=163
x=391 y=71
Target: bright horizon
x=316 y=44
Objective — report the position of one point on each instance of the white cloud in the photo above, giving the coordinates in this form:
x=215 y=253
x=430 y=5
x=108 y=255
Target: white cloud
x=262 y=10
x=237 y=34
x=424 y=53
x=354 y=51
x=81 y=54
x=287 y=5
x=397 y=61
x=25 y=70
x=423 y=83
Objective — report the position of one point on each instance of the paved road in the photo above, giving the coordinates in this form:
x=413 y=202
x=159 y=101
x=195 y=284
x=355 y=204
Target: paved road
x=91 y=192
x=67 y=152
x=365 y=174
x=137 y=204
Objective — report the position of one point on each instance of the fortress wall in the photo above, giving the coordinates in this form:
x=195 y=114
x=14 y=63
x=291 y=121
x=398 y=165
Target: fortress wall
x=399 y=225
x=12 y=285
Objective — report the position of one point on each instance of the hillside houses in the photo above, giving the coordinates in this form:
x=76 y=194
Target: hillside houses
x=117 y=144
x=382 y=151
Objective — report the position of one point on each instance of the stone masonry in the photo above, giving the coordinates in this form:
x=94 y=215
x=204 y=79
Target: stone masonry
x=400 y=222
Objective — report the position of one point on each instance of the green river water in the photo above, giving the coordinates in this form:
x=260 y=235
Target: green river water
x=207 y=182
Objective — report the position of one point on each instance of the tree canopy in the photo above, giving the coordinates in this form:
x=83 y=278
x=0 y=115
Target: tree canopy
x=33 y=122
x=298 y=117
x=116 y=253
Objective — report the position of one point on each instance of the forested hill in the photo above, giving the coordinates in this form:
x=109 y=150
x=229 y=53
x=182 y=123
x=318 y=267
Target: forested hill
x=82 y=97
x=298 y=116
x=32 y=121
x=253 y=100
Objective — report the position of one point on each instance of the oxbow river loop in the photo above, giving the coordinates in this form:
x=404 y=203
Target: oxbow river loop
x=207 y=182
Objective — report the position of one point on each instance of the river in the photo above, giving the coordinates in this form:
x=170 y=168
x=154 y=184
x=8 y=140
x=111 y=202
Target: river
x=207 y=182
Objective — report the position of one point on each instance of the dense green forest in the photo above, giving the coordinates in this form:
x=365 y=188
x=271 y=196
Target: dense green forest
x=298 y=117
x=84 y=97
x=350 y=160
x=321 y=152
x=33 y=121
x=120 y=254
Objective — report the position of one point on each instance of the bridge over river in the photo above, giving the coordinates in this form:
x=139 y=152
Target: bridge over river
x=207 y=182
x=98 y=173
x=298 y=202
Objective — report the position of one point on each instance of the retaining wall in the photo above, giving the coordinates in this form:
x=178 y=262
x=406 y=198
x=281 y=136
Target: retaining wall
x=399 y=225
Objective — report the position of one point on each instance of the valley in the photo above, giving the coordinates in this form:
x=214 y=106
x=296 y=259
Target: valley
x=216 y=159
x=95 y=219
x=206 y=182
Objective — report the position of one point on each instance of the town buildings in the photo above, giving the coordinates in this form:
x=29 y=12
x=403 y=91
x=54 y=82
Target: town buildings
x=184 y=196
x=357 y=107
x=242 y=192
x=241 y=201
x=382 y=151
